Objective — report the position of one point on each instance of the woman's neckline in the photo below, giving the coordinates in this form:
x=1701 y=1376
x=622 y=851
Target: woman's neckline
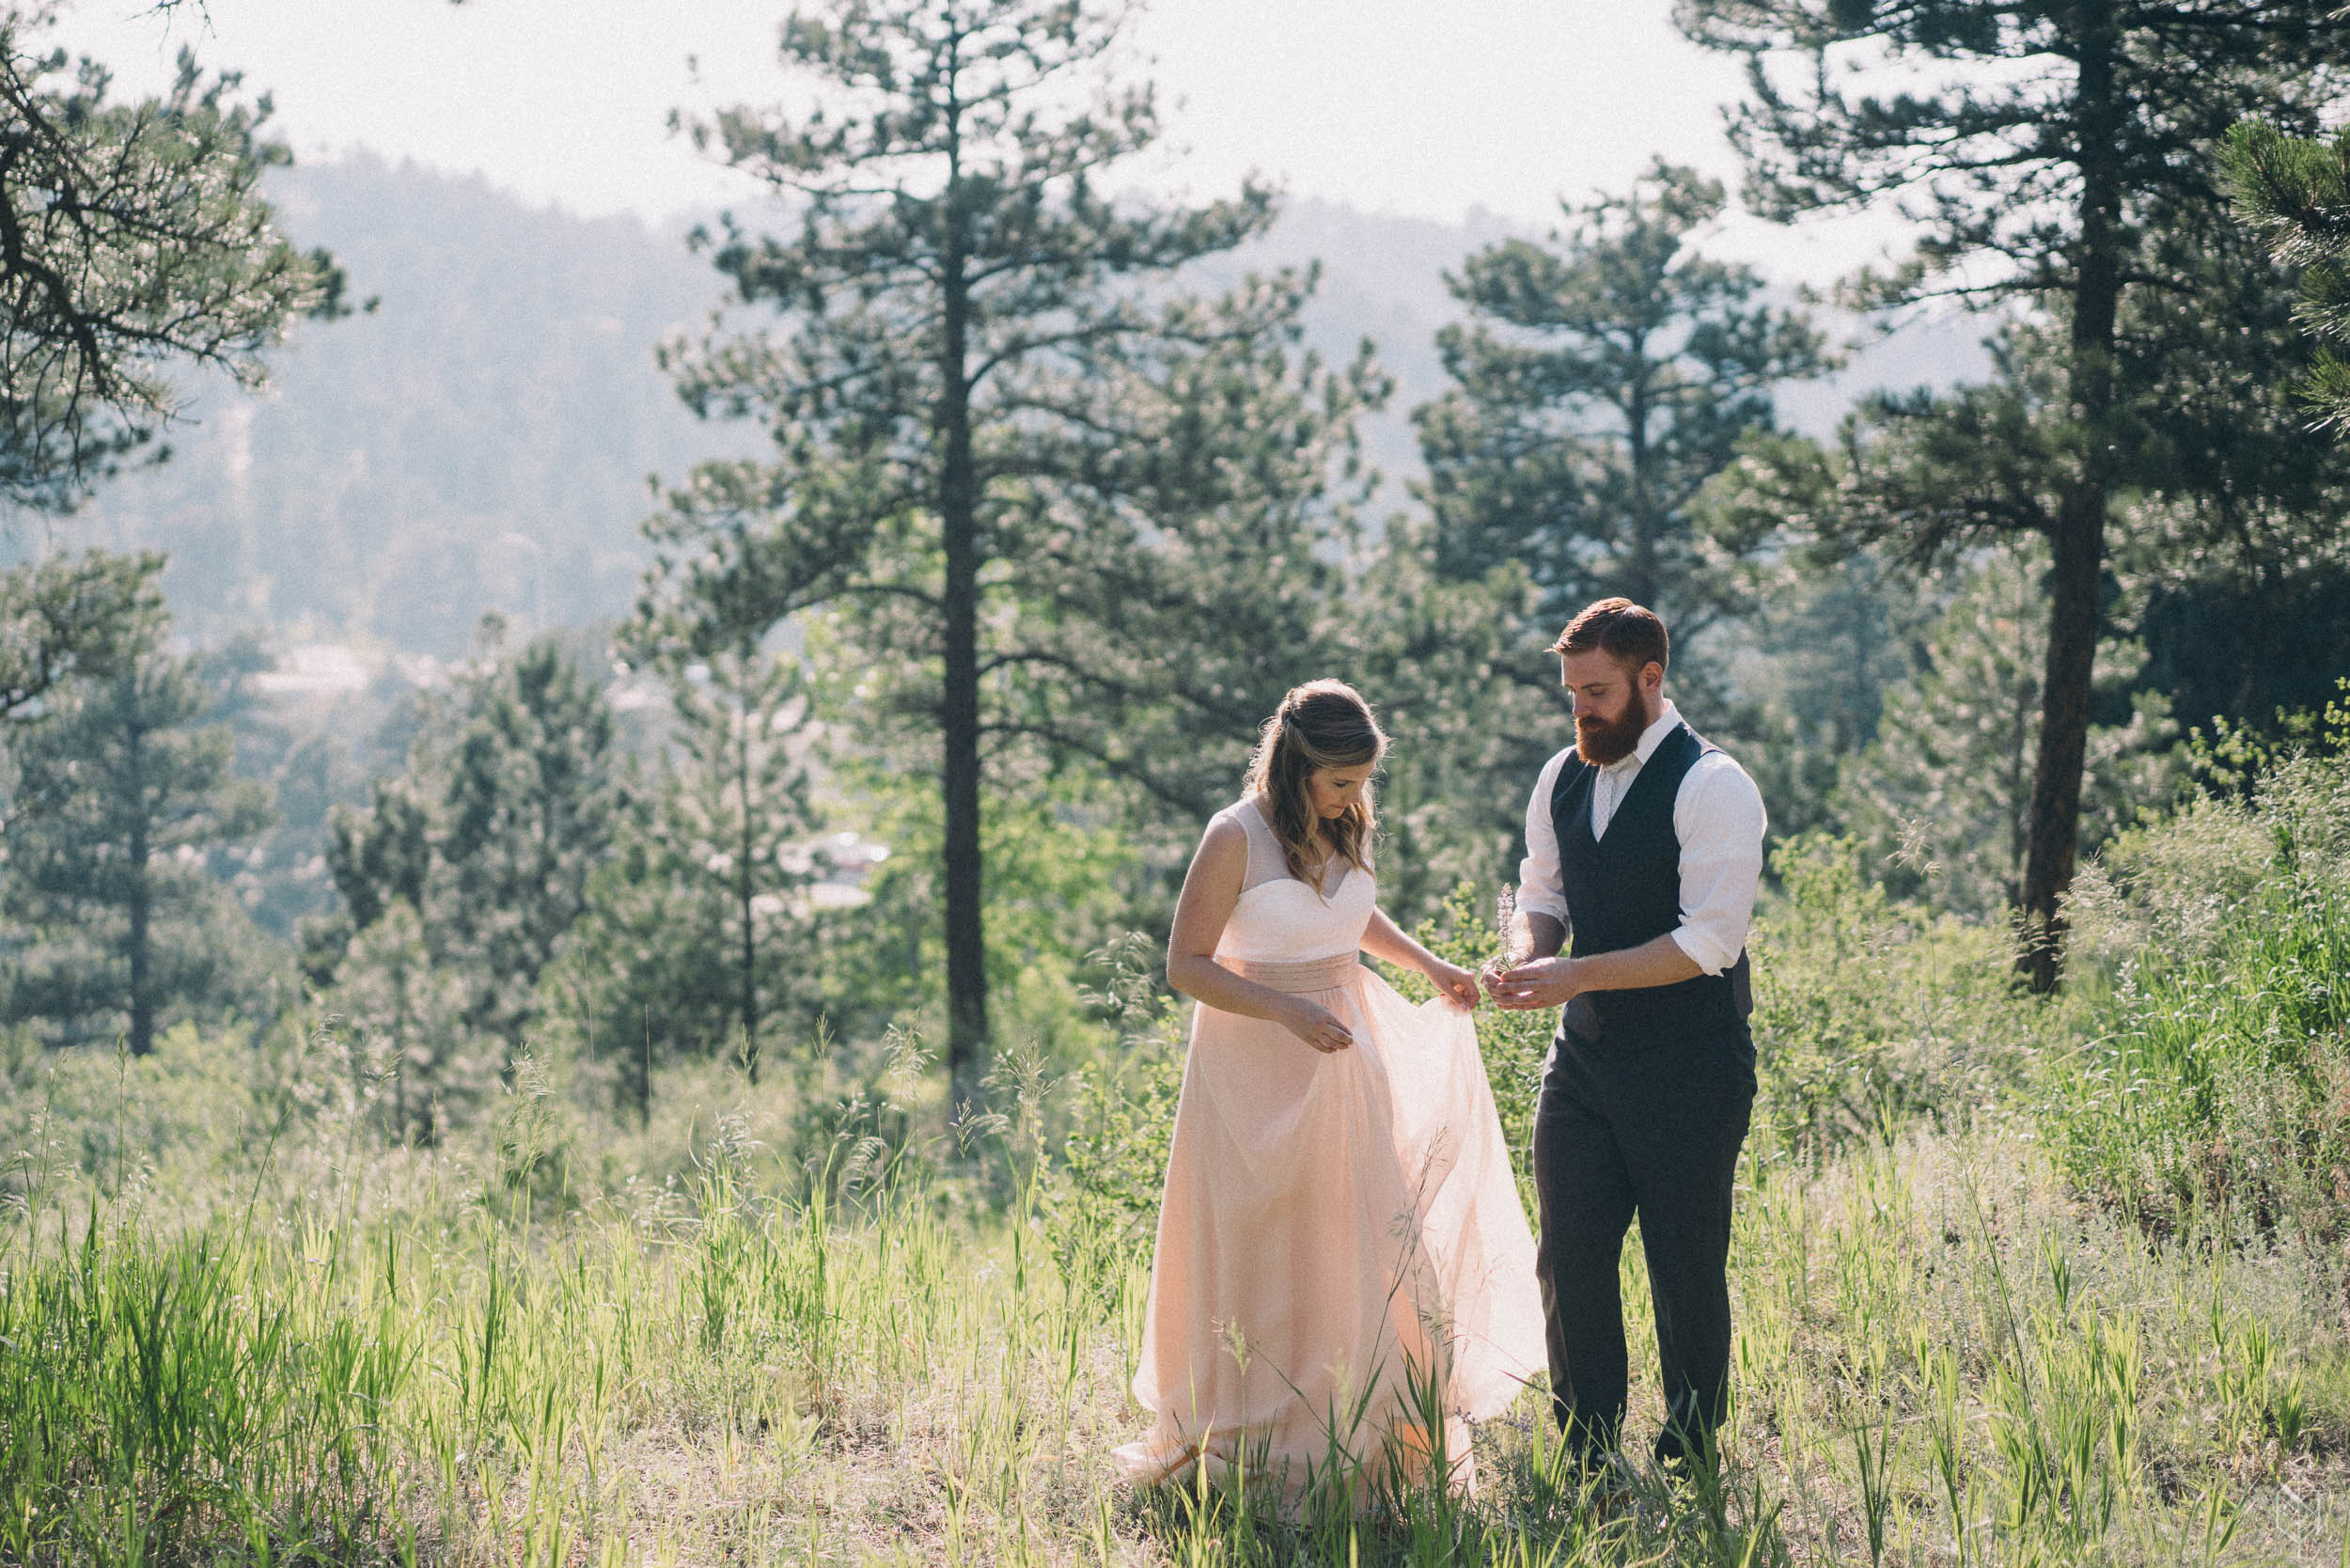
x=1255 y=802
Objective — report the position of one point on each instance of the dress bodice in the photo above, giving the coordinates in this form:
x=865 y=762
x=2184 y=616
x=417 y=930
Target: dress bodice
x=1280 y=919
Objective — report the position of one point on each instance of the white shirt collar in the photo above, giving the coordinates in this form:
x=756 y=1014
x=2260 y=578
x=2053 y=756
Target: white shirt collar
x=1650 y=738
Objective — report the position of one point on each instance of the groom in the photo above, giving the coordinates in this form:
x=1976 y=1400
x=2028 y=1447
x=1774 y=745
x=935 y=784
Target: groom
x=1644 y=844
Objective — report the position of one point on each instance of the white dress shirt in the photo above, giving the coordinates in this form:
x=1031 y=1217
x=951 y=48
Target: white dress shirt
x=1718 y=816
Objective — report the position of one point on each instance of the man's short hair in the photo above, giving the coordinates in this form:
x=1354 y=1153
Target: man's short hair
x=1628 y=632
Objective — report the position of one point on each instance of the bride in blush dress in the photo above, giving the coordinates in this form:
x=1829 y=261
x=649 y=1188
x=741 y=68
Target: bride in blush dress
x=1344 y=1276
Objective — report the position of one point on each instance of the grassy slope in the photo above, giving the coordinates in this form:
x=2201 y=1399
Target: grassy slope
x=760 y=1383
x=575 y=1341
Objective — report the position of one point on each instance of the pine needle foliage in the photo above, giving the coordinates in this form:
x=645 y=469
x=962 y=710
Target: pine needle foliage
x=1603 y=379
x=1003 y=440
x=2057 y=161
x=2295 y=192
x=120 y=794
x=133 y=238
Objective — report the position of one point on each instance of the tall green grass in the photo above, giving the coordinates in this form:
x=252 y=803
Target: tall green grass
x=814 y=1322
x=1940 y=1359
x=162 y=1398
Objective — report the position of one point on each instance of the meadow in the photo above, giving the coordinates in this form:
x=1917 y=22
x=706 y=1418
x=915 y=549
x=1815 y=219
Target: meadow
x=2017 y=1280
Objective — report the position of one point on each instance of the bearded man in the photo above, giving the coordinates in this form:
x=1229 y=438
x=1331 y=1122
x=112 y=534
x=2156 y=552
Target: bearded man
x=1643 y=849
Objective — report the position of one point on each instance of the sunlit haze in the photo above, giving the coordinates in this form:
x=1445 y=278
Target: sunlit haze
x=1503 y=105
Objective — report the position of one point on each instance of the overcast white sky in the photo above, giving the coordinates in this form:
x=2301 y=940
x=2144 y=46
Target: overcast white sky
x=1408 y=106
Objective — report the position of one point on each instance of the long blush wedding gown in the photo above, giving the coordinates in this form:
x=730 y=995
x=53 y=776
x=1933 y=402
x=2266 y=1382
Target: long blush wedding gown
x=1341 y=1250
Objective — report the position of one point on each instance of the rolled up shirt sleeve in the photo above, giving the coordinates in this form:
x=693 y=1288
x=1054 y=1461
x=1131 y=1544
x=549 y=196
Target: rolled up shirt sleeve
x=1541 y=890
x=1719 y=819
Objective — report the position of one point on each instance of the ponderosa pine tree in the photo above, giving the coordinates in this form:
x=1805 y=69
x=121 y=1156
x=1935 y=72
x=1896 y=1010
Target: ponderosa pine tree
x=691 y=933
x=508 y=804
x=1602 y=382
x=281 y=879
x=133 y=238
x=65 y=615
x=405 y=1014
x=1833 y=636
x=2044 y=151
x=997 y=425
x=2229 y=508
x=120 y=794
x=1941 y=797
x=736 y=804
x=527 y=812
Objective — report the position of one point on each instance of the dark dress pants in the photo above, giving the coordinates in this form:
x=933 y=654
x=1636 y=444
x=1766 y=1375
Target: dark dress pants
x=1652 y=1132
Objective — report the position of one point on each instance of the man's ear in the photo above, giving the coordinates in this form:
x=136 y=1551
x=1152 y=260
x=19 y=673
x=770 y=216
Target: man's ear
x=1651 y=677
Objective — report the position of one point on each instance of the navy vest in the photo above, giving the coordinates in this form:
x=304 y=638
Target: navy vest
x=1623 y=889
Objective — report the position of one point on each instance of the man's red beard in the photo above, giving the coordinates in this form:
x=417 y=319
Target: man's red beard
x=1599 y=742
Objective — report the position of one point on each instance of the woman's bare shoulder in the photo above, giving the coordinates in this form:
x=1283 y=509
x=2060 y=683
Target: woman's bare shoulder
x=1219 y=865
x=1225 y=834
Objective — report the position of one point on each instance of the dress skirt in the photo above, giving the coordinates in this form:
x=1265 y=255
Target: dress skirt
x=1344 y=1276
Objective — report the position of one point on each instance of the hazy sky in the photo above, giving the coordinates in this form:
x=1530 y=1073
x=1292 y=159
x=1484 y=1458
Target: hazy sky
x=1407 y=106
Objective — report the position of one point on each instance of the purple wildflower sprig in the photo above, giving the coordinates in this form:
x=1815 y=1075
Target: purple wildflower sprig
x=1514 y=948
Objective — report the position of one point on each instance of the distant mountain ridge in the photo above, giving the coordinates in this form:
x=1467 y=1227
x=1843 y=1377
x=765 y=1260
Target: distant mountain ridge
x=482 y=440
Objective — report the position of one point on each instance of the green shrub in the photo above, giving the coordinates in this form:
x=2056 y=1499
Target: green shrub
x=1102 y=1208
x=1117 y=1119
x=1871 y=1012
x=2216 y=1076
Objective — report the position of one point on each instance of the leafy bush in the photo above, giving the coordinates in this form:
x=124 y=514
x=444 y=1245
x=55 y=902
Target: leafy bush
x=2216 y=1076
x=1101 y=1207
x=1871 y=1012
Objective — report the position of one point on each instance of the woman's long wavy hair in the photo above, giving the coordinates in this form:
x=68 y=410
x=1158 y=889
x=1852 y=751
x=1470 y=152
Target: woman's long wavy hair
x=1321 y=724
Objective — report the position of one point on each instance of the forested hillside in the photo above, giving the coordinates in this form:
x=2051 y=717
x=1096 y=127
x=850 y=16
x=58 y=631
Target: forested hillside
x=482 y=438
x=479 y=440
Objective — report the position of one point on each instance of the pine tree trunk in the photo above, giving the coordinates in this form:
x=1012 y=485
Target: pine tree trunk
x=745 y=894
x=142 y=896
x=1641 y=589
x=959 y=698
x=2078 y=541
x=2053 y=840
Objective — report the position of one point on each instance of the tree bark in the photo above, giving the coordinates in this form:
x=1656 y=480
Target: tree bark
x=142 y=895
x=2053 y=837
x=1646 y=526
x=744 y=884
x=959 y=696
x=2078 y=541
